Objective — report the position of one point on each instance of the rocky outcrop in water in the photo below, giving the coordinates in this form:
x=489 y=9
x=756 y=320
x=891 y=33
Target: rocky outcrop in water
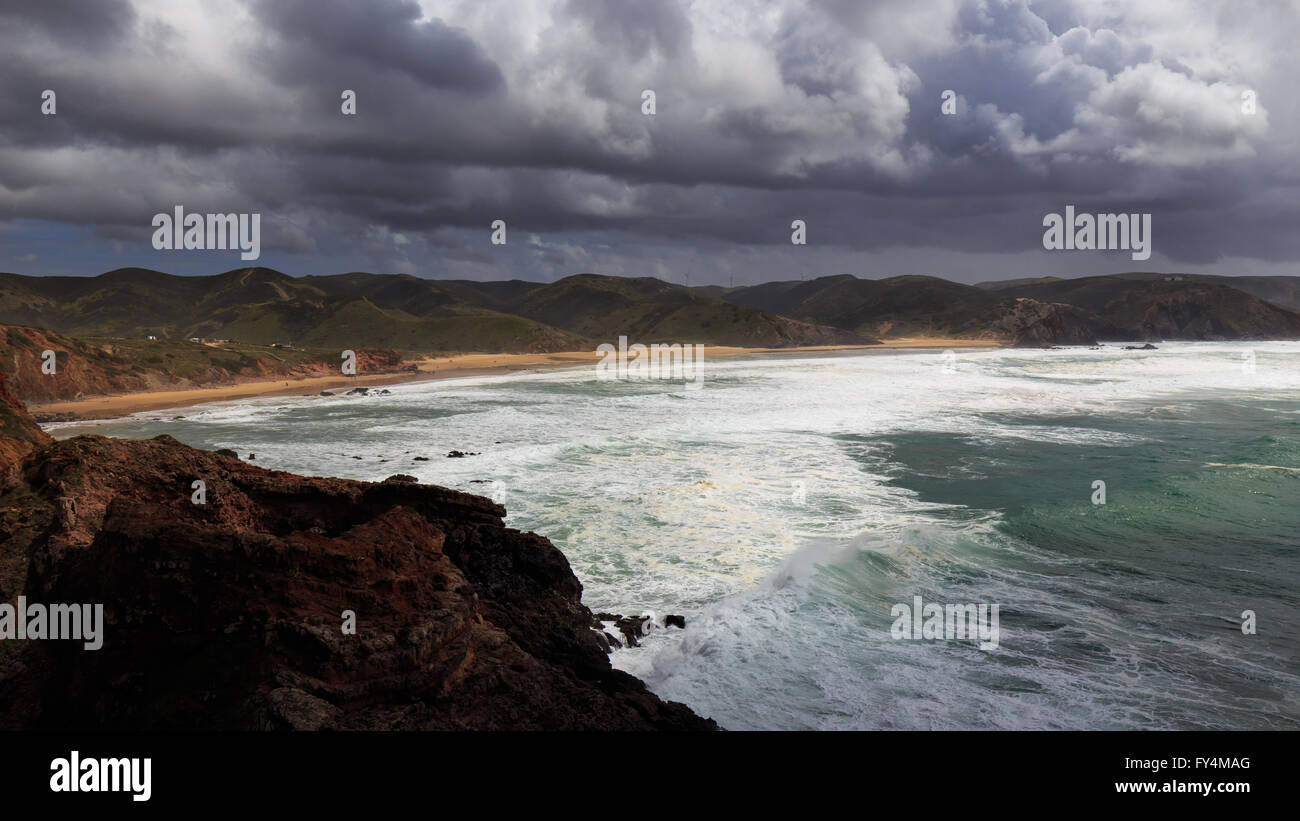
x=233 y=613
x=632 y=627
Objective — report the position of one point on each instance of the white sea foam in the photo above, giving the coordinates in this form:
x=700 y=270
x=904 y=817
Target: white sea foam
x=761 y=508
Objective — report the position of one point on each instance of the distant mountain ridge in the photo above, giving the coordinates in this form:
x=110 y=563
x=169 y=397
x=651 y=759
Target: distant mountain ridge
x=1058 y=311
x=261 y=306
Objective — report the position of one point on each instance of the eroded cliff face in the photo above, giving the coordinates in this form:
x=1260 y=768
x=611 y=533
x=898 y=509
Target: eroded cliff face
x=103 y=367
x=230 y=614
x=19 y=433
x=1030 y=323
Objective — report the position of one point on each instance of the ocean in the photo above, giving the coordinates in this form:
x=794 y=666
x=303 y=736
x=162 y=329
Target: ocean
x=787 y=506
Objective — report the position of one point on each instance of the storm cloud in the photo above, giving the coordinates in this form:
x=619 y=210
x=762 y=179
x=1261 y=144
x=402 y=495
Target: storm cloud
x=765 y=112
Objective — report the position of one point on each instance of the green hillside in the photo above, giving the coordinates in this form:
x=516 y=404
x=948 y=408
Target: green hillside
x=1122 y=307
x=260 y=306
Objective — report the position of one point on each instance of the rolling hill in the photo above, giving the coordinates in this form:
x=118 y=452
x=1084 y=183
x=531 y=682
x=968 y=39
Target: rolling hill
x=1161 y=307
x=1044 y=310
x=260 y=306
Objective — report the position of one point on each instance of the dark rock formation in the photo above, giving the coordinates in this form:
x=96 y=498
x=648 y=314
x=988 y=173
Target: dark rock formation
x=230 y=614
x=632 y=628
x=19 y=433
x=1030 y=323
x=67 y=416
x=458 y=454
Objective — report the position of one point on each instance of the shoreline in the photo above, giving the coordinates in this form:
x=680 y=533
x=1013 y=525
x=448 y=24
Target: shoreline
x=429 y=368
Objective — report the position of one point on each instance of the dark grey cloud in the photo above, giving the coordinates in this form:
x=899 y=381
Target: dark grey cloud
x=826 y=111
x=385 y=35
x=72 y=23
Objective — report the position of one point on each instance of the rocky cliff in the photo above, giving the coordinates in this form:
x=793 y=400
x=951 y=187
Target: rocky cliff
x=100 y=367
x=1030 y=323
x=230 y=613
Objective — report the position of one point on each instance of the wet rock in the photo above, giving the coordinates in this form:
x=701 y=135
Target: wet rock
x=45 y=418
x=459 y=454
x=1146 y=347
x=228 y=452
x=633 y=627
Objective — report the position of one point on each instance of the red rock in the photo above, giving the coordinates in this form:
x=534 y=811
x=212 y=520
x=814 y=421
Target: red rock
x=228 y=615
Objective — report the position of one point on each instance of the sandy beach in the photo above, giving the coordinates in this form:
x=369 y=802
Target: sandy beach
x=442 y=367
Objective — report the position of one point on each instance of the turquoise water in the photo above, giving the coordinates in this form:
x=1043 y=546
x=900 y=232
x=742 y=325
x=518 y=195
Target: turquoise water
x=787 y=506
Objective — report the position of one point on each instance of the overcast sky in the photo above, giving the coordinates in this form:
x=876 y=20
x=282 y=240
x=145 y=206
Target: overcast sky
x=828 y=111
